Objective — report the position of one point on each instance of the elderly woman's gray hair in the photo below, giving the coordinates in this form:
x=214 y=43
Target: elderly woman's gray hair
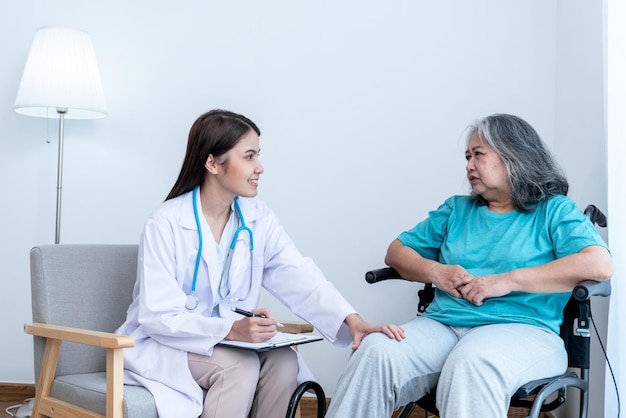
x=533 y=172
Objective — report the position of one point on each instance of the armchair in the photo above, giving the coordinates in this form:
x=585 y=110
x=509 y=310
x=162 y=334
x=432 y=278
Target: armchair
x=80 y=294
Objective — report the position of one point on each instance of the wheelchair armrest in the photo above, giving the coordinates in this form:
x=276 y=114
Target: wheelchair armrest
x=378 y=275
x=586 y=289
x=426 y=295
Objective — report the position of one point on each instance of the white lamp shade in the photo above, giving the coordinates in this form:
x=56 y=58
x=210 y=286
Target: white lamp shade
x=61 y=73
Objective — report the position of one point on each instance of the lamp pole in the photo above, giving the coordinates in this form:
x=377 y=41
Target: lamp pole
x=57 y=235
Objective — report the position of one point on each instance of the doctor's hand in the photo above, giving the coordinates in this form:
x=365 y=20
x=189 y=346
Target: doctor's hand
x=359 y=329
x=254 y=329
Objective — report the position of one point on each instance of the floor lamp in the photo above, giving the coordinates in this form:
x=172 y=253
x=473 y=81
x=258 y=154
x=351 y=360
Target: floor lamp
x=61 y=80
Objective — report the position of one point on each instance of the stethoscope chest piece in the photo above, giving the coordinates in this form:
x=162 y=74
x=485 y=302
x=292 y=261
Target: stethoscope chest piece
x=192 y=302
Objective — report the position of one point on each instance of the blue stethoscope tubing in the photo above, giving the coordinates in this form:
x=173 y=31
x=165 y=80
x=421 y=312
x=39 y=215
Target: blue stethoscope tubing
x=192 y=299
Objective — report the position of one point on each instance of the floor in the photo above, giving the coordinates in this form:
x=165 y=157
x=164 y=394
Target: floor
x=308 y=410
x=4 y=406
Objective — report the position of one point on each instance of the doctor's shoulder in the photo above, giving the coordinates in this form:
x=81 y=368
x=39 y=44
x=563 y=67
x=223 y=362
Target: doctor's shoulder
x=257 y=210
x=168 y=212
x=254 y=206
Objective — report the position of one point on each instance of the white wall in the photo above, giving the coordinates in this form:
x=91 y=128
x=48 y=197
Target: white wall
x=615 y=60
x=361 y=107
x=580 y=144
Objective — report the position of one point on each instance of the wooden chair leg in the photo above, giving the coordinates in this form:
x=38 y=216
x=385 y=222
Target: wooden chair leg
x=46 y=376
x=115 y=383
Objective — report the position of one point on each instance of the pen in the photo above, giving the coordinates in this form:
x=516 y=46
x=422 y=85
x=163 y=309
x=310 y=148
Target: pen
x=251 y=315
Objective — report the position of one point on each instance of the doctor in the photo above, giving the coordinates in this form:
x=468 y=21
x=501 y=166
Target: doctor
x=208 y=248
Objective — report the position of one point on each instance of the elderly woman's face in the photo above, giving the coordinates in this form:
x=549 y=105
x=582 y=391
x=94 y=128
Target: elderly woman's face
x=487 y=174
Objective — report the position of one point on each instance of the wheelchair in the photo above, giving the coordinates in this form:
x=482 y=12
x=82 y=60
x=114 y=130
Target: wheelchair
x=543 y=395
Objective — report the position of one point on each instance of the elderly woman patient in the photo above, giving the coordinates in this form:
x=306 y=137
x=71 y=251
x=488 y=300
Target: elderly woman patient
x=504 y=260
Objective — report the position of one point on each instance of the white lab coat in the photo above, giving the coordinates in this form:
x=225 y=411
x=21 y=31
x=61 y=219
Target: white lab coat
x=164 y=330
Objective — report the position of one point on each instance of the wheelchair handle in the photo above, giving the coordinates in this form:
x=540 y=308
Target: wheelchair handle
x=378 y=275
x=588 y=288
x=596 y=216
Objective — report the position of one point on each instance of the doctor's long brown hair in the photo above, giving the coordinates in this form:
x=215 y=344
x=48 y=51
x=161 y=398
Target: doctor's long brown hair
x=214 y=133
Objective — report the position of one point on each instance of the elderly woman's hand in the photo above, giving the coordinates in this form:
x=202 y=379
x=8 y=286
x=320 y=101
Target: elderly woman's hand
x=483 y=287
x=450 y=278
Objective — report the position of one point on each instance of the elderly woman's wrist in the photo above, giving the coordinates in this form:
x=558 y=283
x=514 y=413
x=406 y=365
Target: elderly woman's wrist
x=513 y=278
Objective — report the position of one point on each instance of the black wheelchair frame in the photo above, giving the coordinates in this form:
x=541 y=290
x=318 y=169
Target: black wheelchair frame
x=300 y=391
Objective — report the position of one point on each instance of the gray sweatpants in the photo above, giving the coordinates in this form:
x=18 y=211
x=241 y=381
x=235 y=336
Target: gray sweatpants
x=476 y=370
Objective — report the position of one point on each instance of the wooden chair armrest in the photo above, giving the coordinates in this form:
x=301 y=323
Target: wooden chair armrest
x=81 y=336
x=47 y=406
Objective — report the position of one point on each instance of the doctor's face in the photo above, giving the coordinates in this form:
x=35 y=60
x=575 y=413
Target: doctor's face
x=239 y=174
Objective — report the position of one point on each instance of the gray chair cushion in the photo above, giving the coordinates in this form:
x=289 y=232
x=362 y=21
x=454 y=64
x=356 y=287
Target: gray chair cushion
x=88 y=391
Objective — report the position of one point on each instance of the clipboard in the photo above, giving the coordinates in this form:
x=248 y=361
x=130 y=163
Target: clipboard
x=280 y=340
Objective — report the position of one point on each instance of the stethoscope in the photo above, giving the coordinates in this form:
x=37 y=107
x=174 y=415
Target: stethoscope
x=223 y=290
